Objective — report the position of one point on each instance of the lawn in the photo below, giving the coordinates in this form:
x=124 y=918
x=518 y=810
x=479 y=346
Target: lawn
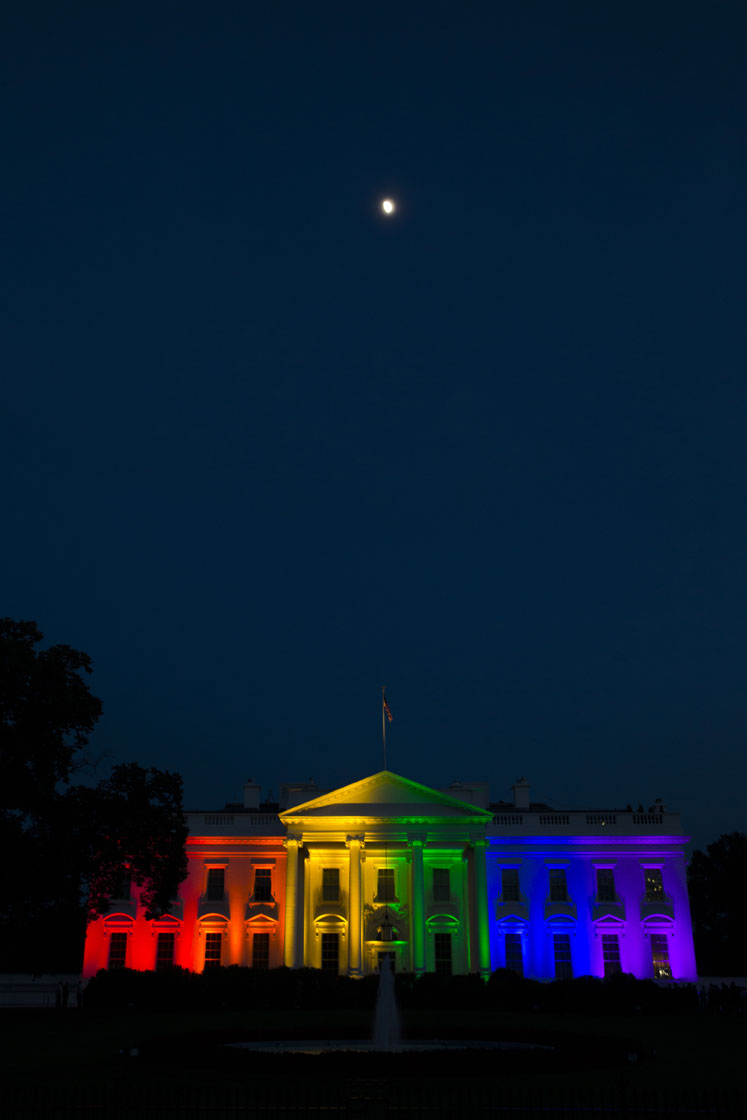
x=82 y=1063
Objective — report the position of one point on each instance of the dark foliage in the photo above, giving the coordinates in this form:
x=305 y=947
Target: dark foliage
x=46 y=715
x=257 y=990
x=719 y=905
x=69 y=844
x=132 y=820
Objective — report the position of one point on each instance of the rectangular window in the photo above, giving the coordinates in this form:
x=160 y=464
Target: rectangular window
x=563 y=963
x=611 y=954
x=441 y=884
x=660 y=956
x=510 y=884
x=117 y=950
x=330 y=952
x=330 y=884
x=263 y=884
x=165 y=950
x=216 y=884
x=654 y=884
x=558 y=885
x=442 y=948
x=605 y=884
x=261 y=950
x=385 y=885
x=514 y=955
x=213 y=946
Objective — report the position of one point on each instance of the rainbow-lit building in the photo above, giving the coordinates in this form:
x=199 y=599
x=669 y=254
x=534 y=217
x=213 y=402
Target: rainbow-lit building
x=441 y=881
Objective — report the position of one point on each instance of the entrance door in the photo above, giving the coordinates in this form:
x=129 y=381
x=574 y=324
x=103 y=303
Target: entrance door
x=442 y=945
x=330 y=952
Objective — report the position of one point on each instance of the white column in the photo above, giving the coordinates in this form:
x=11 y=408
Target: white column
x=355 y=915
x=417 y=930
x=468 y=921
x=293 y=930
x=481 y=908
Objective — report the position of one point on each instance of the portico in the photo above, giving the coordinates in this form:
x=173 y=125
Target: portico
x=386 y=865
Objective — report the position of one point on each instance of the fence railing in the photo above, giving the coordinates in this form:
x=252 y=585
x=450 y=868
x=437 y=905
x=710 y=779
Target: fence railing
x=328 y=1099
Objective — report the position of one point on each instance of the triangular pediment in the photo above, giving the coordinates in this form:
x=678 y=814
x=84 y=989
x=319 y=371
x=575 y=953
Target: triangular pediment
x=386 y=796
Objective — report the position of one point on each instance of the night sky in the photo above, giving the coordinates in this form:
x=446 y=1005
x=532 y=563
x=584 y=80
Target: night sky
x=265 y=450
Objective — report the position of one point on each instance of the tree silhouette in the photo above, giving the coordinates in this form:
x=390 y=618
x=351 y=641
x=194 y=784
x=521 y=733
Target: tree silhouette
x=46 y=716
x=716 y=881
x=131 y=824
x=69 y=845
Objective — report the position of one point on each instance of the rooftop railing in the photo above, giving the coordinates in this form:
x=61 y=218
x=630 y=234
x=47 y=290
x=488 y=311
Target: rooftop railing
x=237 y=823
x=597 y=823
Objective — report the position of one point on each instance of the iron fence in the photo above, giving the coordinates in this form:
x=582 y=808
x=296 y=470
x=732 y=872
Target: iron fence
x=364 y=1100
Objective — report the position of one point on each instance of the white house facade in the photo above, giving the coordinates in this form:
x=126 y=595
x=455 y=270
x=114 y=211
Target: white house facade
x=440 y=881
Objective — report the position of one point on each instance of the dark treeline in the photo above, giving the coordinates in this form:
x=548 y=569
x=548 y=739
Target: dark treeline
x=69 y=842
x=254 y=990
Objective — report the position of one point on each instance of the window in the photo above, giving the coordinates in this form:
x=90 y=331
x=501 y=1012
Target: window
x=563 y=964
x=165 y=951
x=442 y=944
x=558 y=885
x=660 y=956
x=216 y=884
x=510 y=884
x=610 y=954
x=654 y=884
x=441 y=884
x=261 y=950
x=263 y=884
x=514 y=955
x=330 y=884
x=330 y=952
x=213 y=946
x=117 y=950
x=606 y=885
x=391 y=957
x=385 y=885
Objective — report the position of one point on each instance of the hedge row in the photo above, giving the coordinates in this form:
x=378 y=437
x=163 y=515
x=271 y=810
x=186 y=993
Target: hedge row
x=237 y=988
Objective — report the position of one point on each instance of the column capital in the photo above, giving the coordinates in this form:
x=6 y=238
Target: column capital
x=351 y=840
x=293 y=840
x=417 y=839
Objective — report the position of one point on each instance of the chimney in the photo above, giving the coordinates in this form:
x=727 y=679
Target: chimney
x=251 y=794
x=474 y=793
x=298 y=792
x=521 y=794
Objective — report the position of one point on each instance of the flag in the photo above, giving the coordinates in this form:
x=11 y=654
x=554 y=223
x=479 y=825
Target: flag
x=386 y=708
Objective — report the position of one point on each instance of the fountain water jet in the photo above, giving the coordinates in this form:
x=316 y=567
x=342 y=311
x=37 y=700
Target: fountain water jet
x=386 y=1034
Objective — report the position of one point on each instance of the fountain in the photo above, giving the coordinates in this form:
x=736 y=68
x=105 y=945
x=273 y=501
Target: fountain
x=386 y=1034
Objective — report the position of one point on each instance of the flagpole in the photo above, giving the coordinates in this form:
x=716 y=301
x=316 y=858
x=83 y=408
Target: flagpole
x=383 y=720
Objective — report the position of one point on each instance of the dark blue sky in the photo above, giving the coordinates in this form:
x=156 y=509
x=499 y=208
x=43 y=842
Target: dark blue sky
x=265 y=450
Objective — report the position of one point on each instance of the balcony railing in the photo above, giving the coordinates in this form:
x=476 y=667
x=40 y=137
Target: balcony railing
x=581 y=823
x=660 y=904
x=235 y=824
x=213 y=906
x=609 y=909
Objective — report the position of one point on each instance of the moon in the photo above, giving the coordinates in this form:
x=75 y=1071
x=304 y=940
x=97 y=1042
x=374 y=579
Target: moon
x=387 y=206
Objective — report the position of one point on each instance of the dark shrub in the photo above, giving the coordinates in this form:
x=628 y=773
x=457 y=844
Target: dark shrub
x=247 y=989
